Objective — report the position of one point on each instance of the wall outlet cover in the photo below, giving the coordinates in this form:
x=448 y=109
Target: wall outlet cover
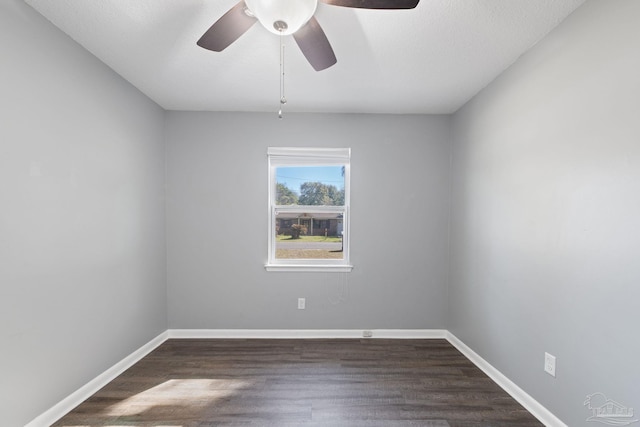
x=550 y=364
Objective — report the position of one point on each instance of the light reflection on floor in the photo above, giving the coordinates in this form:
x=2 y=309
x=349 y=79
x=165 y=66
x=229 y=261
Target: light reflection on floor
x=178 y=392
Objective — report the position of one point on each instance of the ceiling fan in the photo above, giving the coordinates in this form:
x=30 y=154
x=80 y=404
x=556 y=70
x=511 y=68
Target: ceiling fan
x=284 y=17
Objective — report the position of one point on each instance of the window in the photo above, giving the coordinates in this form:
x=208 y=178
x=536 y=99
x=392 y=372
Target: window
x=309 y=209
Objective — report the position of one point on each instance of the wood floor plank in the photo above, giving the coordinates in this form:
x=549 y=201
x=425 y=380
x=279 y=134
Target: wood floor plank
x=295 y=382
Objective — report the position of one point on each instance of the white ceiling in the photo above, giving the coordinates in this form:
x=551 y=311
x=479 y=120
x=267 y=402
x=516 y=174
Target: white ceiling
x=431 y=59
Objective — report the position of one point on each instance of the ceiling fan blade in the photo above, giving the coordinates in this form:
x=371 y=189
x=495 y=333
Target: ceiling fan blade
x=227 y=29
x=374 y=4
x=315 y=46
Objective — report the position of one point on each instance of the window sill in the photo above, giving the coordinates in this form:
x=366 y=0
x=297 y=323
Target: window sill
x=310 y=268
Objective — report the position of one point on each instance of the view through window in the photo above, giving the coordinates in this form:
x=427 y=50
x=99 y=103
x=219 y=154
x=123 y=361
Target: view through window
x=309 y=208
x=310 y=234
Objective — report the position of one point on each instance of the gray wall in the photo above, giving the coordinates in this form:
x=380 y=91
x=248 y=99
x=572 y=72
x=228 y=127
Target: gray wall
x=546 y=214
x=217 y=223
x=82 y=279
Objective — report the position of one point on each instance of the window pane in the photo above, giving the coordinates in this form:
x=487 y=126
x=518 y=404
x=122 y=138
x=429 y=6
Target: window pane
x=310 y=185
x=309 y=235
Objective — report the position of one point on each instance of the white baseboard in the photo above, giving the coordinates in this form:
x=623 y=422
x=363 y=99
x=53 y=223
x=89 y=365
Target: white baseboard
x=530 y=404
x=83 y=393
x=306 y=333
x=63 y=407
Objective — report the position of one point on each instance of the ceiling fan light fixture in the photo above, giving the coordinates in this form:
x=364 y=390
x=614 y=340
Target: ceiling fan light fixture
x=272 y=14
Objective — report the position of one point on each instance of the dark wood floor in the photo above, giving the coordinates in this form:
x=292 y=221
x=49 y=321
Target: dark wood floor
x=346 y=382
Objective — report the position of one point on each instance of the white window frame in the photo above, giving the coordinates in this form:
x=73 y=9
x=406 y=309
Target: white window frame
x=301 y=156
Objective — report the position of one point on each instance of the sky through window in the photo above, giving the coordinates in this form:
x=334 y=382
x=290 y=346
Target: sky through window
x=294 y=177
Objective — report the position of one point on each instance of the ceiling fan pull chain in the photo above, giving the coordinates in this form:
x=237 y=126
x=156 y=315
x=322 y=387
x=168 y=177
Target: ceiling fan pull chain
x=283 y=100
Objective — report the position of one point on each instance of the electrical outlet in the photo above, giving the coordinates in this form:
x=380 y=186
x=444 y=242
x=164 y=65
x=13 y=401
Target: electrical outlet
x=367 y=334
x=550 y=364
x=301 y=303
